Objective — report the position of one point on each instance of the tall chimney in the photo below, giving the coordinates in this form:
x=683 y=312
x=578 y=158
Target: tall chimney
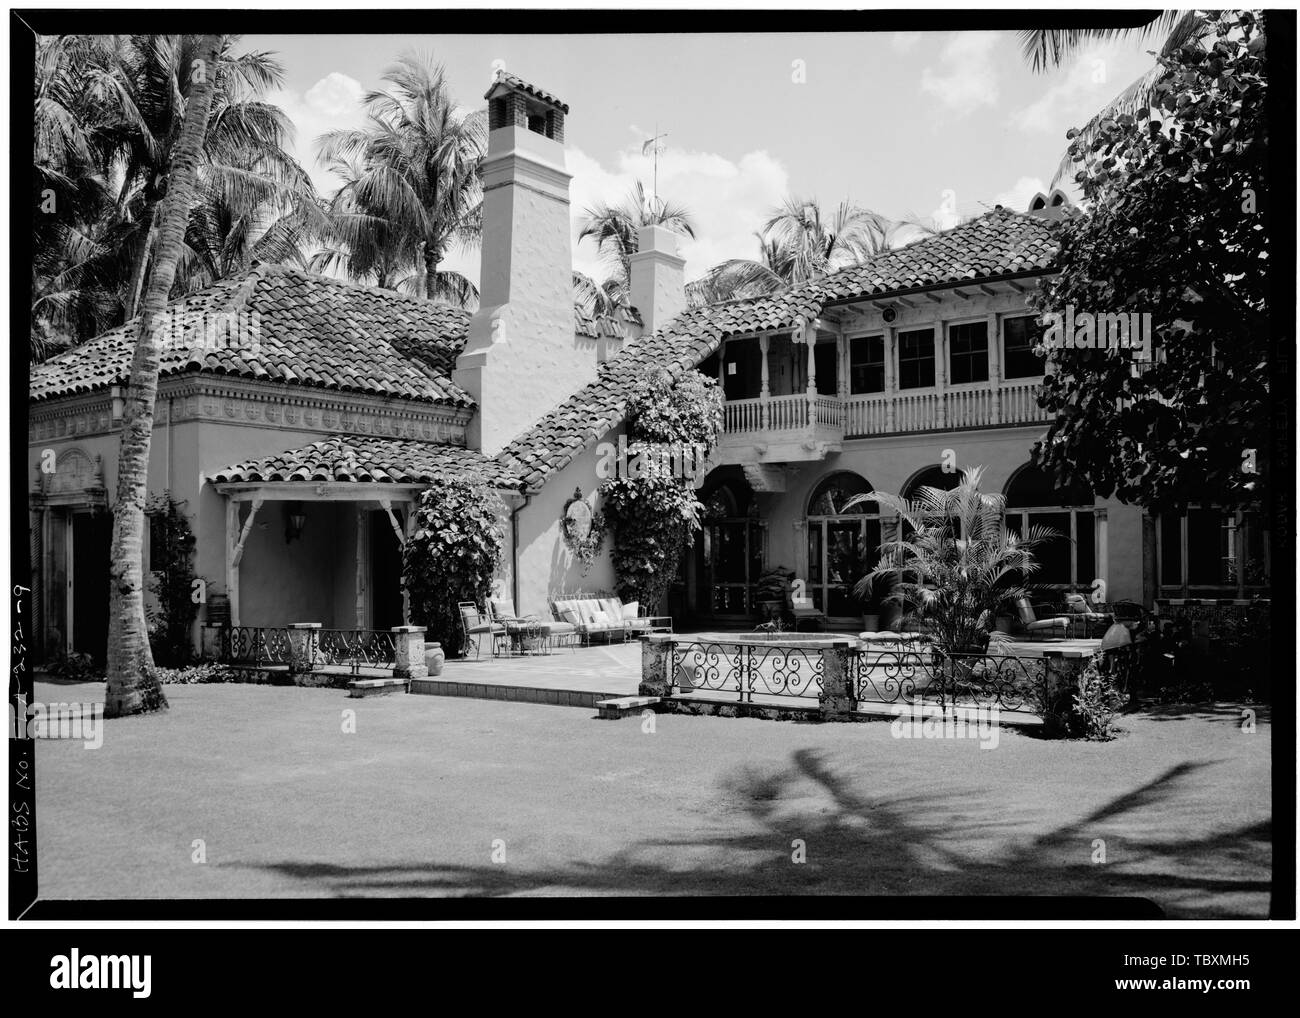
x=522 y=356
x=658 y=286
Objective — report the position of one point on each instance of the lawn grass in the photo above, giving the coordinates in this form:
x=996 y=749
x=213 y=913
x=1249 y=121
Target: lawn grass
x=288 y=804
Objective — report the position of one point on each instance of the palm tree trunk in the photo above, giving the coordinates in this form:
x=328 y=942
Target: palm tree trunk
x=431 y=260
x=138 y=271
x=133 y=687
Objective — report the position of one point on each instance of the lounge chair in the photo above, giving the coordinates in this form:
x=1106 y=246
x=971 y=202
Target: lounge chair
x=475 y=627
x=1041 y=629
x=1085 y=620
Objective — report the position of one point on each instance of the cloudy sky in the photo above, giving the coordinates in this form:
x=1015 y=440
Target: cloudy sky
x=907 y=124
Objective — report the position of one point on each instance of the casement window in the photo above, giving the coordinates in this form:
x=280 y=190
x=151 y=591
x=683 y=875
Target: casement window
x=968 y=353
x=1210 y=552
x=1070 y=560
x=916 y=359
x=1018 y=338
x=866 y=364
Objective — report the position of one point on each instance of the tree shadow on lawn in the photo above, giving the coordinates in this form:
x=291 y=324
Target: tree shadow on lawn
x=920 y=845
x=1220 y=710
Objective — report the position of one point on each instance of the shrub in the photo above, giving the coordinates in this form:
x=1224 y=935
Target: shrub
x=190 y=675
x=171 y=617
x=452 y=555
x=1095 y=703
x=76 y=668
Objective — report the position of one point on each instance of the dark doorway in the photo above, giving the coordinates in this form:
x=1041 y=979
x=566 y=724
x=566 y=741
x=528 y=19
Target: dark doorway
x=92 y=539
x=385 y=571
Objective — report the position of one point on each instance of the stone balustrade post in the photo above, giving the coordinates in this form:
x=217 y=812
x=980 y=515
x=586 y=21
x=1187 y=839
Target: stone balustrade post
x=304 y=638
x=839 y=698
x=408 y=643
x=655 y=658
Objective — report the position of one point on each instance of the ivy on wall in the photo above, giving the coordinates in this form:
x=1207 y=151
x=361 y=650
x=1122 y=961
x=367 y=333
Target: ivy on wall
x=655 y=512
x=172 y=582
x=452 y=555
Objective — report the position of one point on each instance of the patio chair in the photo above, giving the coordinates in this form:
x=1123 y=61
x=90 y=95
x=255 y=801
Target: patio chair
x=475 y=626
x=1041 y=629
x=1088 y=622
x=809 y=614
x=528 y=631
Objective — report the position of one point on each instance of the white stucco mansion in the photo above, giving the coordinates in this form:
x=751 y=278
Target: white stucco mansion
x=297 y=459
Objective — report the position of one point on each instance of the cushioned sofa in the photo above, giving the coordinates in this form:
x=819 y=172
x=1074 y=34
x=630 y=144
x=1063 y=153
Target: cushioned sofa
x=605 y=617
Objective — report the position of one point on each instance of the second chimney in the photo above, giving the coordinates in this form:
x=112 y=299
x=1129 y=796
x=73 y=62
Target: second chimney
x=657 y=286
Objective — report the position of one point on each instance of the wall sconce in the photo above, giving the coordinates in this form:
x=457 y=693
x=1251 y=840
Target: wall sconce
x=295 y=520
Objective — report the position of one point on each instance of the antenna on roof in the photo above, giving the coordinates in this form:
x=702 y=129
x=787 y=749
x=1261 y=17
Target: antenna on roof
x=652 y=145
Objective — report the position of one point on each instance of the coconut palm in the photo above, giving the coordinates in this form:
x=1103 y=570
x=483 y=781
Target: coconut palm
x=109 y=111
x=412 y=184
x=951 y=563
x=614 y=229
x=799 y=242
x=1047 y=49
x=133 y=687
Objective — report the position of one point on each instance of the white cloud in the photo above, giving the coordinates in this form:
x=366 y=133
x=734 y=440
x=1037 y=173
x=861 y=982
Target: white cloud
x=728 y=200
x=1021 y=193
x=333 y=102
x=967 y=77
x=1079 y=91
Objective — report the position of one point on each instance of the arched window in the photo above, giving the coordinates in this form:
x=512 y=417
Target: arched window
x=932 y=477
x=1033 y=499
x=842 y=543
x=730 y=553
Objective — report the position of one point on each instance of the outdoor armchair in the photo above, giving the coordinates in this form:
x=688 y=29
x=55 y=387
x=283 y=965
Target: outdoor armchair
x=475 y=627
x=1040 y=629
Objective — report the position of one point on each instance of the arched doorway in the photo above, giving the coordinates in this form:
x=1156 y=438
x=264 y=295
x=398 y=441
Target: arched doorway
x=729 y=553
x=842 y=544
x=1071 y=562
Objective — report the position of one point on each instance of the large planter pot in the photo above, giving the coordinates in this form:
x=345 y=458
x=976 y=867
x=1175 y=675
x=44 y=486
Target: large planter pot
x=434 y=658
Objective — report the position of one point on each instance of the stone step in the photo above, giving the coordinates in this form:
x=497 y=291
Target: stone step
x=624 y=706
x=376 y=687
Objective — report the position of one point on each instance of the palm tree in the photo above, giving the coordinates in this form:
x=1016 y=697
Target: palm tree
x=951 y=562
x=108 y=116
x=1047 y=49
x=799 y=242
x=412 y=185
x=614 y=229
x=133 y=687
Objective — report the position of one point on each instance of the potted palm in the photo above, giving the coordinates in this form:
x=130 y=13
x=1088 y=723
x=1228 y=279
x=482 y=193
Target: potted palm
x=772 y=593
x=952 y=565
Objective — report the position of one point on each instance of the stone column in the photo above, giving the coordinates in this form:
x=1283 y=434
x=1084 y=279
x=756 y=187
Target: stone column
x=839 y=698
x=408 y=644
x=765 y=391
x=304 y=637
x=941 y=373
x=995 y=367
x=655 y=662
x=891 y=376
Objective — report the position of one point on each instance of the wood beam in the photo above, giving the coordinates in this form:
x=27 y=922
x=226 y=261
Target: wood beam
x=387 y=506
x=248 y=529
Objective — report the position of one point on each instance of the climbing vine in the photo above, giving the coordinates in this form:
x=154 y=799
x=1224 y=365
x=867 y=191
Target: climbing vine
x=452 y=555
x=173 y=584
x=653 y=509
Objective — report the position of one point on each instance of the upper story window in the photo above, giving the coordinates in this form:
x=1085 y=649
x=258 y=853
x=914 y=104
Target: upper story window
x=866 y=364
x=916 y=359
x=968 y=352
x=1018 y=338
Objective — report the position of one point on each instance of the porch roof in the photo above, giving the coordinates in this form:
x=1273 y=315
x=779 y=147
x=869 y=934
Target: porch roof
x=362 y=460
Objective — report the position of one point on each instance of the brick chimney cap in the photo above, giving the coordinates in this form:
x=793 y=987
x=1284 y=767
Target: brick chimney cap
x=507 y=82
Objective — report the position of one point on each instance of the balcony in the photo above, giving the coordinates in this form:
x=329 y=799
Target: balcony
x=791 y=429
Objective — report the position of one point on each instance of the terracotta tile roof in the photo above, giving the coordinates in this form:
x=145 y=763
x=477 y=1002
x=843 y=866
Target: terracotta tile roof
x=999 y=243
x=310 y=330
x=514 y=81
x=368 y=460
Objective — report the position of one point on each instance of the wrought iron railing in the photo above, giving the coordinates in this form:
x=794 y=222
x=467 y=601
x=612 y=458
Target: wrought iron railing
x=257 y=646
x=1004 y=681
x=355 y=649
x=745 y=668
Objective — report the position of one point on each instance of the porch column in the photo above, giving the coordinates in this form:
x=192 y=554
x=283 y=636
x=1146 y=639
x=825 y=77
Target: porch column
x=810 y=339
x=410 y=531
x=362 y=550
x=1103 y=554
x=940 y=373
x=995 y=367
x=232 y=566
x=801 y=550
x=891 y=376
x=764 y=392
